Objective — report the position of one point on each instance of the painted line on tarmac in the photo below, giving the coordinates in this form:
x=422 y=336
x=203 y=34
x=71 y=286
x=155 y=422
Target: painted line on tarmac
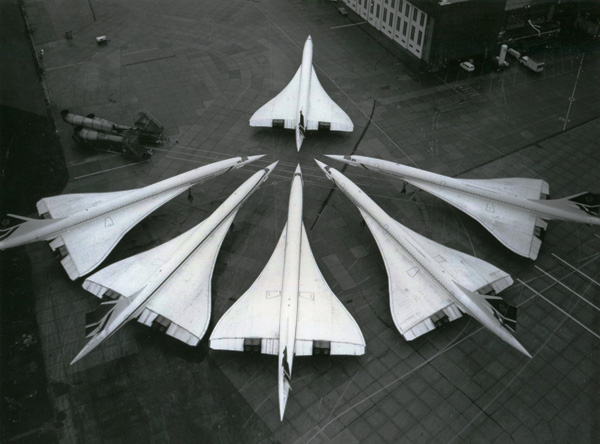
x=109 y=169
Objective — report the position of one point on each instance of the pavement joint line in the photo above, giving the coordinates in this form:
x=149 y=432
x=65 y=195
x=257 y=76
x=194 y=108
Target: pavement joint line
x=572 y=98
x=576 y=269
x=254 y=377
x=94 y=159
x=110 y=169
x=436 y=355
x=559 y=309
x=200 y=156
x=137 y=52
x=347 y=26
x=440 y=353
x=197 y=149
x=568 y=288
x=514 y=378
x=348 y=386
x=343 y=92
x=363 y=281
x=64 y=66
x=593 y=255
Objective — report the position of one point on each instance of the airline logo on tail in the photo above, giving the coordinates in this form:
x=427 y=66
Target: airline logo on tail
x=9 y=226
x=286 y=368
x=588 y=202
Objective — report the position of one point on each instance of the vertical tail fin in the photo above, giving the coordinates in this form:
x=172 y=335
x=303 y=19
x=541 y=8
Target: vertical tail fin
x=19 y=226
x=588 y=202
x=506 y=314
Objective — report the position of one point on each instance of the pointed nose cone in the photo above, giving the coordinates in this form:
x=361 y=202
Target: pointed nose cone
x=323 y=166
x=298 y=170
x=309 y=38
x=345 y=159
x=245 y=160
x=270 y=168
x=251 y=159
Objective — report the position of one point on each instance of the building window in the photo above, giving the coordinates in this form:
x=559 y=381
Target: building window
x=422 y=19
x=391 y=20
x=419 y=38
x=415 y=11
x=378 y=11
x=384 y=14
x=392 y=4
x=404 y=29
x=398 y=24
x=412 y=32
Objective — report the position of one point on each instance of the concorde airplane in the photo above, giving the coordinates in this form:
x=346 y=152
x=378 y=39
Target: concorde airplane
x=303 y=104
x=430 y=284
x=84 y=228
x=289 y=310
x=168 y=285
x=514 y=209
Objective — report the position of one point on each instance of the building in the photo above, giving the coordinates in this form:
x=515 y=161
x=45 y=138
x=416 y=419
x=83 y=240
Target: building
x=435 y=33
x=438 y=33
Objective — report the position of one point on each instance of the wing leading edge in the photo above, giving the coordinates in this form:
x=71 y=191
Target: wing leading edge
x=83 y=248
x=516 y=229
x=182 y=304
x=417 y=302
x=280 y=108
x=322 y=109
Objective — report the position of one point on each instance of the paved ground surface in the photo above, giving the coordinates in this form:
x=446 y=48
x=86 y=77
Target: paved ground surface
x=202 y=68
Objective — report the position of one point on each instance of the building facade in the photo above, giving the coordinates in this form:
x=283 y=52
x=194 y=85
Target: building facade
x=436 y=33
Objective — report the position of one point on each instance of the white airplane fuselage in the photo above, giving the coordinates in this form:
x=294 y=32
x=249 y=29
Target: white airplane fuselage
x=51 y=229
x=415 y=175
x=196 y=236
x=476 y=307
x=290 y=290
x=304 y=92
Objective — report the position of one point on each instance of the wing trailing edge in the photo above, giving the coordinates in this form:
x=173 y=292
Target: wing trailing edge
x=324 y=326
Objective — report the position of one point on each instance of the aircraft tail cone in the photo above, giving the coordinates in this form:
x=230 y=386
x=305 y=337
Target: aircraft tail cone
x=284 y=390
x=517 y=345
x=92 y=344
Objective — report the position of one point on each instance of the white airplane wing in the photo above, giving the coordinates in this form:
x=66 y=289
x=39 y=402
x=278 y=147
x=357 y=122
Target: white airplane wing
x=282 y=107
x=322 y=108
x=321 y=315
x=511 y=226
x=182 y=304
x=415 y=298
x=516 y=186
x=126 y=277
x=65 y=205
x=86 y=246
x=255 y=315
x=474 y=274
x=417 y=301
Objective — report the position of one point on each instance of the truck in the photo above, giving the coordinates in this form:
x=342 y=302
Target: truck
x=532 y=64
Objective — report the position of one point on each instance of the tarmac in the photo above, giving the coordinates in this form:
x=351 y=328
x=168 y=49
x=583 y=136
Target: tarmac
x=202 y=68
